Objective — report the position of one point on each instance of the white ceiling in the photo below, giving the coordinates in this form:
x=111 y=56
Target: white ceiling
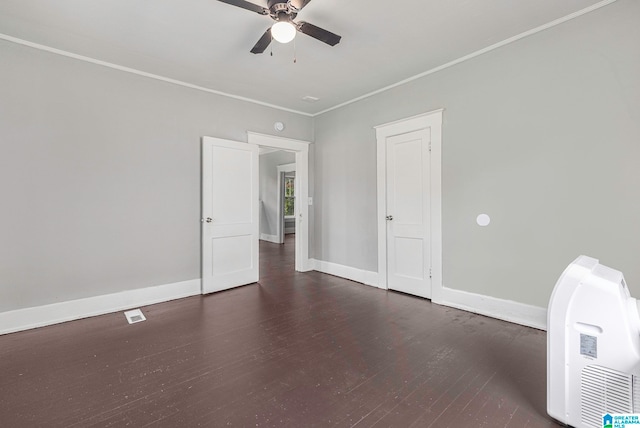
x=206 y=42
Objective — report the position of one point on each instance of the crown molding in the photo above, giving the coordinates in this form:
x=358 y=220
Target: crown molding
x=474 y=54
x=67 y=54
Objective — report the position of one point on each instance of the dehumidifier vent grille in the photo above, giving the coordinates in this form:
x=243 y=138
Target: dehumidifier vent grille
x=604 y=390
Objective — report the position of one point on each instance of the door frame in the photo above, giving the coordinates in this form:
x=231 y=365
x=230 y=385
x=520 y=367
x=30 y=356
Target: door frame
x=282 y=170
x=301 y=150
x=431 y=120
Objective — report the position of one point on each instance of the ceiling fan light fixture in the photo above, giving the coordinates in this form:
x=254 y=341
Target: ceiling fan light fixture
x=283 y=31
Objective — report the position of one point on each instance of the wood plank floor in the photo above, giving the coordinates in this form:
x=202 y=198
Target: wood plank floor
x=295 y=350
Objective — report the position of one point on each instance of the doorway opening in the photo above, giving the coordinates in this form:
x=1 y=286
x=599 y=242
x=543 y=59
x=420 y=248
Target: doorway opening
x=277 y=196
x=231 y=209
x=276 y=152
x=287 y=202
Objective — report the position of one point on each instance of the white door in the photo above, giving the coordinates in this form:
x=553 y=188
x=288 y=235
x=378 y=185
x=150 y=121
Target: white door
x=407 y=213
x=230 y=225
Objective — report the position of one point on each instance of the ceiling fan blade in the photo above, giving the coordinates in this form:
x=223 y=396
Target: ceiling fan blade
x=262 y=43
x=247 y=5
x=299 y=4
x=319 y=33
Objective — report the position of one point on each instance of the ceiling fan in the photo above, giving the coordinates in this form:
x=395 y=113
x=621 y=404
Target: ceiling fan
x=284 y=29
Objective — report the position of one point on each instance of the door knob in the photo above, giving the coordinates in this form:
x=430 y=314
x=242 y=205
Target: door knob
x=208 y=220
x=389 y=217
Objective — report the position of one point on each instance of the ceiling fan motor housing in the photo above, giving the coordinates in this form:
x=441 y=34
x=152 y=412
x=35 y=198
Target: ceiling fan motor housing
x=281 y=10
x=277 y=3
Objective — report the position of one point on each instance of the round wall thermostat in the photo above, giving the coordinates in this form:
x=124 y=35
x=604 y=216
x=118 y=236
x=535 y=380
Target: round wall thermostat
x=278 y=126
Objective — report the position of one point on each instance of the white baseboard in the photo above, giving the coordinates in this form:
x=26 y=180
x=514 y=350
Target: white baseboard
x=269 y=238
x=40 y=316
x=289 y=230
x=506 y=310
x=308 y=265
x=354 y=274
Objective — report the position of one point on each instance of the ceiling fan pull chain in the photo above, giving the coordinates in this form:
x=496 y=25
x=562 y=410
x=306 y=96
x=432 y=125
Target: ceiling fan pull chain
x=295 y=59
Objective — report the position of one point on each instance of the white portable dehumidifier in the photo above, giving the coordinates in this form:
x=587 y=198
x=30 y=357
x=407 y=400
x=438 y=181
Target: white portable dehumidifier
x=593 y=346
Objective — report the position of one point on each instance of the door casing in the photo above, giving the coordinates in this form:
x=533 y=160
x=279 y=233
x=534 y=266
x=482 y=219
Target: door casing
x=301 y=150
x=433 y=121
x=282 y=169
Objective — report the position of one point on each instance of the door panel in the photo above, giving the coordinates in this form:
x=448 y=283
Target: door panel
x=407 y=193
x=231 y=254
x=409 y=258
x=230 y=214
x=232 y=173
x=408 y=226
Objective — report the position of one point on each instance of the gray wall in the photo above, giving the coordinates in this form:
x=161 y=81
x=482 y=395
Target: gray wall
x=543 y=135
x=269 y=188
x=100 y=176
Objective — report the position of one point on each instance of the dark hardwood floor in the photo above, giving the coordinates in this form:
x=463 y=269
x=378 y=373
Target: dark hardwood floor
x=295 y=350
